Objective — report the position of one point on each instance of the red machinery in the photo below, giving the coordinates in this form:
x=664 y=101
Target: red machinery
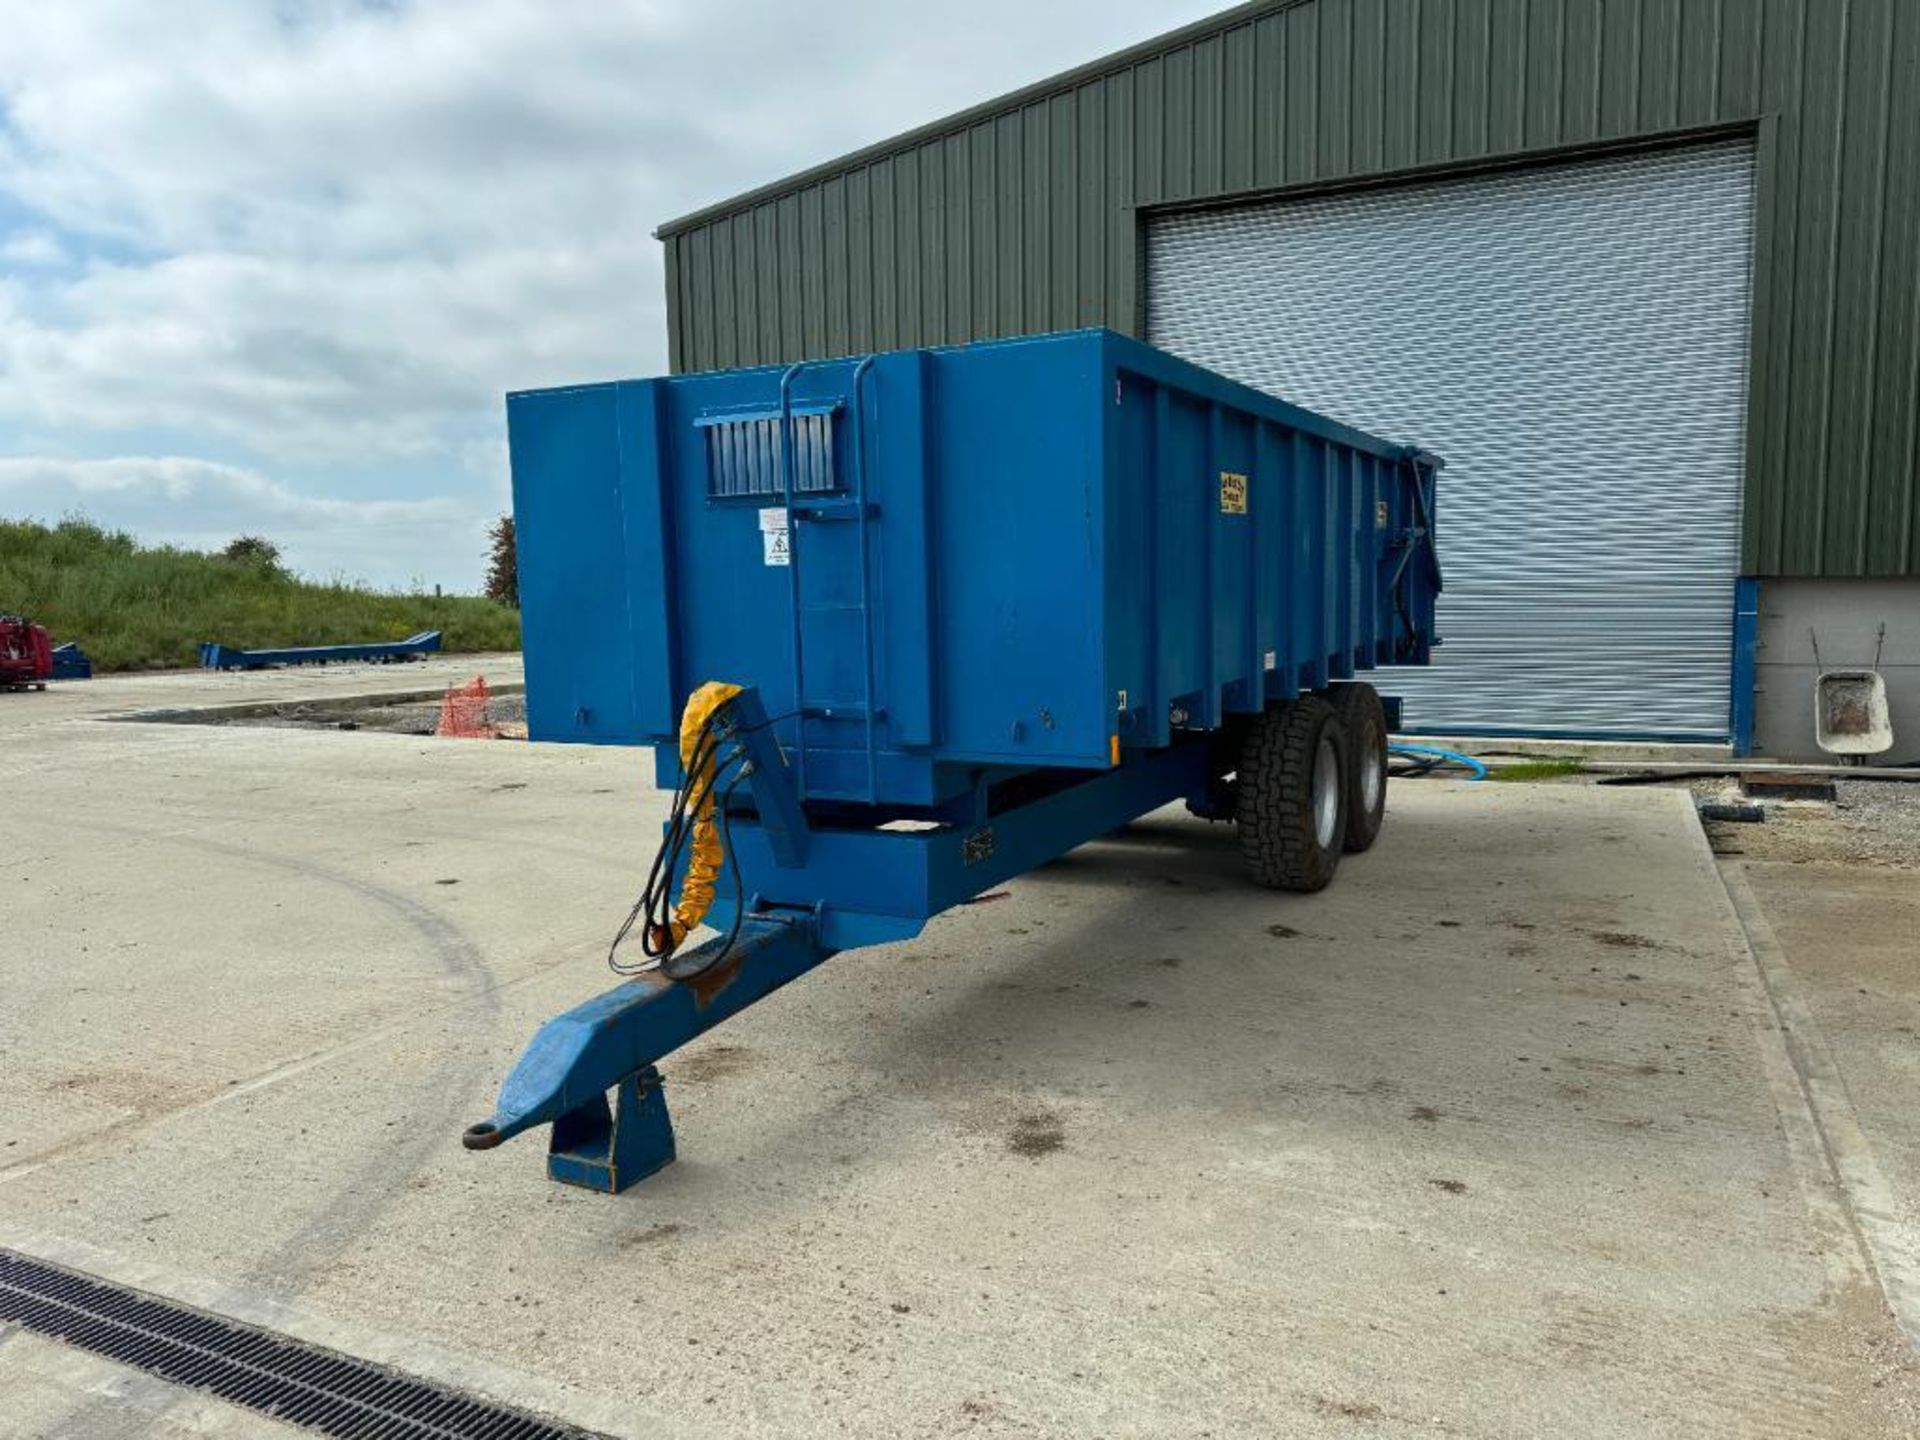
x=26 y=654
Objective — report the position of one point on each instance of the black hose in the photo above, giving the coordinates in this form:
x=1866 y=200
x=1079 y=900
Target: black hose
x=654 y=909
x=655 y=904
x=679 y=972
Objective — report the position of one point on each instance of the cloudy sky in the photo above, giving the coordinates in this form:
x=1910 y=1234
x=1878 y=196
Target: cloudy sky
x=269 y=267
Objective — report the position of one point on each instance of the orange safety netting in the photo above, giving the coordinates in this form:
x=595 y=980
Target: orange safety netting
x=463 y=714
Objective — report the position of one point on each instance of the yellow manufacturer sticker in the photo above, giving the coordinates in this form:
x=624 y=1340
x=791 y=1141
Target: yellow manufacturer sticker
x=1233 y=493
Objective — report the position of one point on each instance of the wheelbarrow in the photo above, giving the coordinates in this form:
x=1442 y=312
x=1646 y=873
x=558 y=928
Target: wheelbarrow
x=1850 y=716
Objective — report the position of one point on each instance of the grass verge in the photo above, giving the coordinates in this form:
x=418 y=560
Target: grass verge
x=1549 y=769
x=139 y=607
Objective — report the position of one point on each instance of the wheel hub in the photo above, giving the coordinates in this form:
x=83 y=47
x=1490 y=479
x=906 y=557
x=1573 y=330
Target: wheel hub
x=1373 y=780
x=1326 y=794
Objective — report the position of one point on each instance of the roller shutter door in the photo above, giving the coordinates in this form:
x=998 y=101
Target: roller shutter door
x=1573 y=339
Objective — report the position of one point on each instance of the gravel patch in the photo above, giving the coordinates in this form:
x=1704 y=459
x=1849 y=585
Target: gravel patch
x=1870 y=822
x=1884 y=816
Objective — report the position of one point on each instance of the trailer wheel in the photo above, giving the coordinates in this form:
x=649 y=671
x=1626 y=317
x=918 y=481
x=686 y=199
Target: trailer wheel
x=1365 y=720
x=1292 y=796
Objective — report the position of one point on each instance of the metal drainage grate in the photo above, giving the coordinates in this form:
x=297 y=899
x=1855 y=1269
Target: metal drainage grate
x=298 y=1383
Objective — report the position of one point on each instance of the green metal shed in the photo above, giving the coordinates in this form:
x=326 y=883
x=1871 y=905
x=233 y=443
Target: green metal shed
x=1766 y=147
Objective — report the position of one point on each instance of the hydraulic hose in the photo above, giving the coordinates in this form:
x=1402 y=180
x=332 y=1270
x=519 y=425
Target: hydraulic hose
x=1434 y=755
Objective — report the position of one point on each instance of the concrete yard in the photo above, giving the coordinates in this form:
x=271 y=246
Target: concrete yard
x=1500 y=1136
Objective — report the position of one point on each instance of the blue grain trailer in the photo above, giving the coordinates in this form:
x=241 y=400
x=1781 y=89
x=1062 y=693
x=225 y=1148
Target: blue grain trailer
x=899 y=628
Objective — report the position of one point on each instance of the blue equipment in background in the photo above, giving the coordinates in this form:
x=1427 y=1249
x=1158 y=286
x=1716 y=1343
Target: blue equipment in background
x=70 y=662
x=214 y=656
x=987 y=603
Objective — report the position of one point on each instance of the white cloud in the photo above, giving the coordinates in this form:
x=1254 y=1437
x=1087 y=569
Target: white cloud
x=201 y=505
x=306 y=231
x=319 y=359
x=32 y=248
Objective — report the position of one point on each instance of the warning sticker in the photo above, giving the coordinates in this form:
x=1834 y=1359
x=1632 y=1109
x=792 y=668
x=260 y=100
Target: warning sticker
x=773 y=537
x=1233 y=493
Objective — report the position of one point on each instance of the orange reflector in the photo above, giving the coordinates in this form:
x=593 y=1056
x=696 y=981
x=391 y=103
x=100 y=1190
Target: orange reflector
x=1114 y=750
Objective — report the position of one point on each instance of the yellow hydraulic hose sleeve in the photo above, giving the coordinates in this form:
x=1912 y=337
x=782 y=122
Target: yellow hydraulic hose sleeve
x=705 y=853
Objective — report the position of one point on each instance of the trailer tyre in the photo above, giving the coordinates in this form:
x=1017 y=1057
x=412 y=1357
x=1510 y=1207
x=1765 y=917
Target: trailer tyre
x=1291 y=803
x=1365 y=720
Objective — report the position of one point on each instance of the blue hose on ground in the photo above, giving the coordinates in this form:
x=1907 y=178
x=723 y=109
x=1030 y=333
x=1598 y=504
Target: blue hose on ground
x=1433 y=756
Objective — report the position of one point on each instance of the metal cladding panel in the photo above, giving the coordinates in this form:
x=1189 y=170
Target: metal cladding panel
x=1023 y=214
x=1030 y=554
x=1574 y=340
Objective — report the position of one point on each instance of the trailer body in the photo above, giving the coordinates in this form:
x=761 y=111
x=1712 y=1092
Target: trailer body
x=1044 y=553
x=215 y=656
